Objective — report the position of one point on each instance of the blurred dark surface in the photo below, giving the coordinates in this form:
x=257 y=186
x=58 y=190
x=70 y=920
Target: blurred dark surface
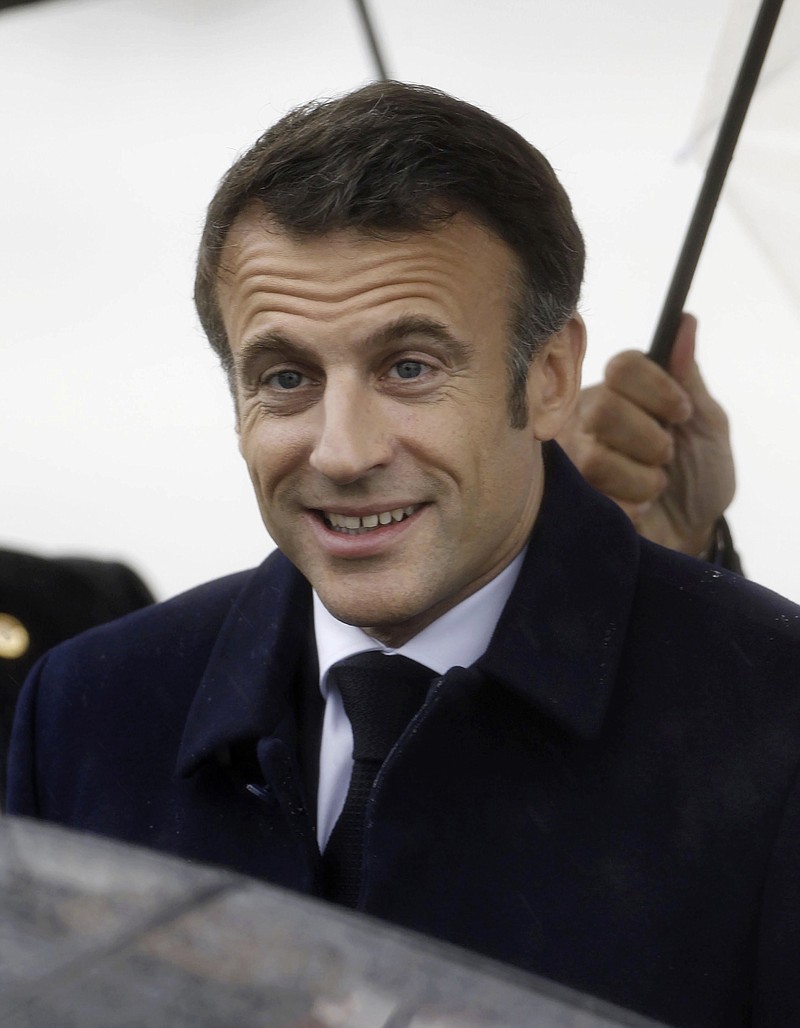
x=101 y=935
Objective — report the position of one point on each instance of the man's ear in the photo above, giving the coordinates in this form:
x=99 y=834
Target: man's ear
x=554 y=379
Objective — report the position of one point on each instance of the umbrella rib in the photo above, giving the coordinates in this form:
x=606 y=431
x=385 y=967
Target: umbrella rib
x=741 y=95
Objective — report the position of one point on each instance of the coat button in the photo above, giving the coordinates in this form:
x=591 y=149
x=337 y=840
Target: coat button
x=14 y=638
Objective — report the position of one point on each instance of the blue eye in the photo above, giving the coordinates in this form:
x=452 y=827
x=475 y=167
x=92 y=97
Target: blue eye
x=409 y=369
x=286 y=380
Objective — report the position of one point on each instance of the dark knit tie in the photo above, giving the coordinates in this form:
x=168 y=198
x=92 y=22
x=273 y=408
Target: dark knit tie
x=381 y=693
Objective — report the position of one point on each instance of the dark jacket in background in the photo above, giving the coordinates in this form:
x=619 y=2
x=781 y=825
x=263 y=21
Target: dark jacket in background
x=49 y=600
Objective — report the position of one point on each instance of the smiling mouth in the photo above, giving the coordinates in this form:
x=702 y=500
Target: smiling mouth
x=351 y=524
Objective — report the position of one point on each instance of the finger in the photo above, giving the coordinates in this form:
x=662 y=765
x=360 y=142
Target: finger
x=654 y=390
x=683 y=367
x=681 y=357
x=617 y=423
x=627 y=480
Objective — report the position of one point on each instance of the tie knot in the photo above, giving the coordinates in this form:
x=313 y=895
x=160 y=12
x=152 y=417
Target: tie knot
x=381 y=692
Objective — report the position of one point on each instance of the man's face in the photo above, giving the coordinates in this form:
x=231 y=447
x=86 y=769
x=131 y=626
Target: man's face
x=371 y=385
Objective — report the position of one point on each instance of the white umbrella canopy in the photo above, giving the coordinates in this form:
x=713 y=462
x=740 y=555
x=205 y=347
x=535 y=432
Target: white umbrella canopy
x=117 y=426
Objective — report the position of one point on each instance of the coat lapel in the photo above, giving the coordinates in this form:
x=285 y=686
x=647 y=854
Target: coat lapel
x=557 y=644
x=248 y=689
x=559 y=640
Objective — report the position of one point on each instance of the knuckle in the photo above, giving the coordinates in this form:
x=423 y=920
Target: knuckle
x=621 y=366
x=595 y=467
x=605 y=411
x=663 y=448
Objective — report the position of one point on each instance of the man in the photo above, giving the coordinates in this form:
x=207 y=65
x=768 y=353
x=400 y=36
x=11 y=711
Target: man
x=599 y=780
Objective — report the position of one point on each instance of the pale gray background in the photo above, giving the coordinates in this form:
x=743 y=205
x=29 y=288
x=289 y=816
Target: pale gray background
x=117 y=119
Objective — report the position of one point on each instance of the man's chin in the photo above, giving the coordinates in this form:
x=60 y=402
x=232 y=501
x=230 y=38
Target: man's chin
x=367 y=617
x=387 y=622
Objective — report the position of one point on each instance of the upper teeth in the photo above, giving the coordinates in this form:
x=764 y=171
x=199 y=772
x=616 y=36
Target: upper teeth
x=369 y=520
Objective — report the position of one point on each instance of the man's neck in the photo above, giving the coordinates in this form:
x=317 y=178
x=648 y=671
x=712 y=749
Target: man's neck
x=456 y=638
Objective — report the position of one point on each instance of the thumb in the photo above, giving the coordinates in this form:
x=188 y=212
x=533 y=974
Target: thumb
x=683 y=366
x=681 y=360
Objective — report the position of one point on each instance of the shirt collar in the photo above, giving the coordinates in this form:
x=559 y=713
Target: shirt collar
x=456 y=639
x=557 y=644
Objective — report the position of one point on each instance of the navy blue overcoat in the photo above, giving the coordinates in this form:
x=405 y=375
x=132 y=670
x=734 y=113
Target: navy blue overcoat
x=608 y=797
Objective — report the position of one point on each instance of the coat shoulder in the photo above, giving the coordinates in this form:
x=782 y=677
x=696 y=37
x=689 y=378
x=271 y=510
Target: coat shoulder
x=718 y=596
x=701 y=623
x=171 y=640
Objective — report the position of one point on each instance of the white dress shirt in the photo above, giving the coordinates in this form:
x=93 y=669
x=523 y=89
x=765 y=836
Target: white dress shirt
x=456 y=639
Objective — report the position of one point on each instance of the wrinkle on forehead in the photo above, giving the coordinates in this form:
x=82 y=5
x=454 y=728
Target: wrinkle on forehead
x=410 y=275
x=337 y=257
x=265 y=270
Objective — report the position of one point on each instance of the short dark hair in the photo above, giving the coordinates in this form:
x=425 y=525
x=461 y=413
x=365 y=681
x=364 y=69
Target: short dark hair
x=392 y=157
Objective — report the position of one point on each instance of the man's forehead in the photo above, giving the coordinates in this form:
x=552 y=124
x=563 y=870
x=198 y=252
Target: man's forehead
x=460 y=251
x=460 y=235
x=458 y=274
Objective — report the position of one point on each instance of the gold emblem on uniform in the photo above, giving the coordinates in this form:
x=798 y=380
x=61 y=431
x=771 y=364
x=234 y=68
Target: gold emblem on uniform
x=14 y=638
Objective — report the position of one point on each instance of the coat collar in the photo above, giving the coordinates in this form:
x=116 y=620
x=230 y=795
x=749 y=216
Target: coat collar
x=557 y=644
x=247 y=688
x=559 y=640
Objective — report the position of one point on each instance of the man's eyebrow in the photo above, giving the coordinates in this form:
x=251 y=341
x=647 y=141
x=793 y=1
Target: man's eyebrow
x=419 y=325
x=269 y=344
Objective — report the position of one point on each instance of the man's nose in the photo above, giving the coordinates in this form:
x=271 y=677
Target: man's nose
x=353 y=435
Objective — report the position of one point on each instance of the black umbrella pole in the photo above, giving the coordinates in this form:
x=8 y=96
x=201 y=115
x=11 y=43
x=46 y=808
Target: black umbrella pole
x=372 y=41
x=743 y=89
